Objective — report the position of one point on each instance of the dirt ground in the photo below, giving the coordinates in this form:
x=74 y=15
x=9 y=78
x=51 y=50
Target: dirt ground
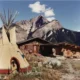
x=69 y=70
x=72 y=66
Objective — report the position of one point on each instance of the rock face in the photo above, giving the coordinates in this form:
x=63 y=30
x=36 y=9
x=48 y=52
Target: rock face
x=42 y=28
x=54 y=32
x=26 y=28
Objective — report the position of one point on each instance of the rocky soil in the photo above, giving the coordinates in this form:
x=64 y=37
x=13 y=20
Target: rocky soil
x=46 y=68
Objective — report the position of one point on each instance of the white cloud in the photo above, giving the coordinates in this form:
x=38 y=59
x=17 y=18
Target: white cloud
x=37 y=7
x=50 y=18
x=49 y=12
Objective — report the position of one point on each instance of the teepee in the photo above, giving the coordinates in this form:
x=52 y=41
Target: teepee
x=11 y=58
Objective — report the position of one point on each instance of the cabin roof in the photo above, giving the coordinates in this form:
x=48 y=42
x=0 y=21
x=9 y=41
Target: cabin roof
x=44 y=42
x=69 y=46
x=32 y=40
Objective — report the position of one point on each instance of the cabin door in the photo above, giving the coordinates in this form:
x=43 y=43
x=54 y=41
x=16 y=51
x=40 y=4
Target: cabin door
x=45 y=50
x=36 y=49
x=15 y=67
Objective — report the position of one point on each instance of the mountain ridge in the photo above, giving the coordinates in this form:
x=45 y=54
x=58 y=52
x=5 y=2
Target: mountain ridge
x=51 y=31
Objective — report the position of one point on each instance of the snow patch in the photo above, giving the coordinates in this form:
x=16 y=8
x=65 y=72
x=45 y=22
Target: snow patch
x=50 y=33
x=45 y=37
x=67 y=31
x=62 y=30
x=54 y=31
x=50 y=39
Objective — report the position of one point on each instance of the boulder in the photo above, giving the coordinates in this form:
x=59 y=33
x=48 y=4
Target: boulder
x=51 y=62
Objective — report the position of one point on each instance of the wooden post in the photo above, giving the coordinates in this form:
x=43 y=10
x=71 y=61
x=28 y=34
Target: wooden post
x=35 y=49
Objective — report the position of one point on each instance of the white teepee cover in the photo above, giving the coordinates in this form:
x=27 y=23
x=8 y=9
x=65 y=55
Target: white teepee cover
x=9 y=50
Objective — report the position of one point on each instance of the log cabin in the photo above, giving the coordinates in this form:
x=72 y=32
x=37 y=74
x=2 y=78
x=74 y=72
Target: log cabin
x=36 y=45
x=43 y=47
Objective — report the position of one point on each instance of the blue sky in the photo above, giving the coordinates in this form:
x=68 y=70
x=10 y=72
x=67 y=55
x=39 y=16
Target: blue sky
x=66 y=12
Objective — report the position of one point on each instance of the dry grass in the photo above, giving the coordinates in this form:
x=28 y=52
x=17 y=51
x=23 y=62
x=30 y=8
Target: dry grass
x=76 y=65
x=37 y=73
x=43 y=73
